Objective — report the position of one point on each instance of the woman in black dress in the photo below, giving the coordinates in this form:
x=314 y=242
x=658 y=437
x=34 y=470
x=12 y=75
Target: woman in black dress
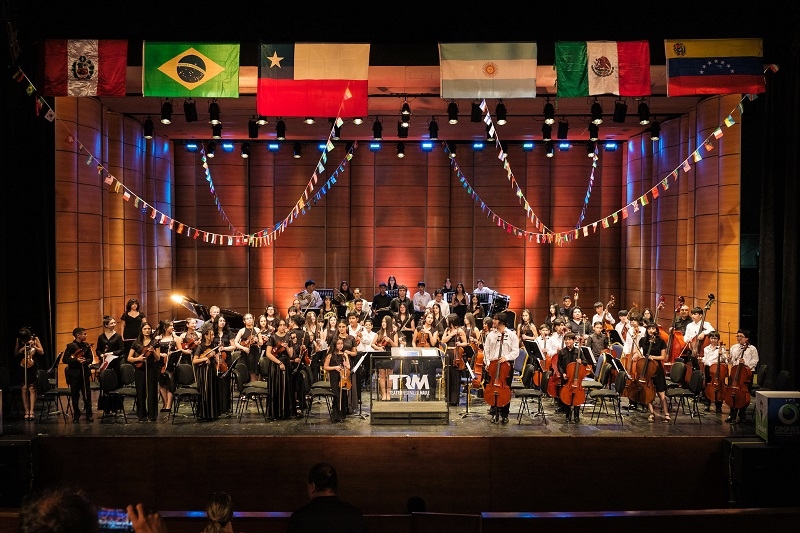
x=280 y=353
x=144 y=357
x=132 y=320
x=30 y=353
x=205 y=361
x=385 y=339
x=337 y=365
x=110 y=343
x=459 y=302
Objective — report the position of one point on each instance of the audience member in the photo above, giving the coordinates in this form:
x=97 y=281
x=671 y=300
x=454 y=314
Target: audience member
x=220 y=513
x=325 y=512
x=57 y=510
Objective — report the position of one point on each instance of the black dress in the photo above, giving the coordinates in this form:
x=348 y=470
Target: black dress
x=281 y=394
x=133 y=325
x=208 y=383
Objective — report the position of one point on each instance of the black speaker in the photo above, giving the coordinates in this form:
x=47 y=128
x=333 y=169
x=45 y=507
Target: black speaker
x=759 y=473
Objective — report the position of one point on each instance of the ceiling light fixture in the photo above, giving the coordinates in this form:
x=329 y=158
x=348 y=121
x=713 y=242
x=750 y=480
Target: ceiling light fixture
x=262 y=120
x=252 y=128
x=191 y=146
x=402 y=131
x=451 y=148
x=433 y=129
x=547 y=132
x=591 y=146
x=296 y=150
x=245 y=149
x=644 y=113
x=405 y=113
x=597 y=113
x=216 y=131
x=213 y=112
x=452 y=112
x=190 y=110
x=358 y=120
x=548 y=149
x=549 y=113
x=594 y=132
x=401 y=150
x=148 y=128
x=620 y=111
x=655 y=131
x=211 y=148
x=166 y=112
x=475 y=114
x=280 y=130
x=377 y=130
x=500 y=112
x=563 y=129
x=308 y=120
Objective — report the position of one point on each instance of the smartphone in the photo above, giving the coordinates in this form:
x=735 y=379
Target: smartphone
x=114 y=520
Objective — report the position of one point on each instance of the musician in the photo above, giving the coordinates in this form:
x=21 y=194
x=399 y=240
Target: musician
x=653 y=345
x=224 y=338
x=336 y=362
x=132 y=320
x=356 y=330
x=474 y=337
x=742 y=350
x=280 y=401
x=541 y=339
x=310 y=298
x=713 y=354
x=391 y=284
x=272 y=315
x=579 y=325
x=682 y=320
x=248 y=342
x=598 y=342
x=427 y=336
x=694 y=335
x=420 y=300
x=205 y=360
x=476 y=309
x=602 y=315
x=448 y=286
x=213 y=312
x=78 y=356
x=566 y=355
x=439 y=319
x=444 y=307
x=402 y=297
x=633 y=333
x=556 y=339
x=168 y=344
x=315 y=342
x=365 y=305
x=361 y=313
x=622 y=326
x=453 y=337
x=480 y=288
x=501 y=345
x=189 y=340
x=28 y=348
x=459 y=301
x=404 y=320
x=328 y=306
x=109 y=343
x=552 y=315
x=345 y=294
x=526 y=329
x=365 y=348
x=381 y=303
x=147 y=370
x=565 y=310
x=385 y=338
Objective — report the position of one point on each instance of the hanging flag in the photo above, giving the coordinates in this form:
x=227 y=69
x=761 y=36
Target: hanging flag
x=313 y=79
x=714 y=66
x=586 y=68
x=488 y=70
x=190 y=69
x=84 y=67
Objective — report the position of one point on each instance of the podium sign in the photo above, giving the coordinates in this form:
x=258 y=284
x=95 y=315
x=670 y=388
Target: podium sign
x=778 y=416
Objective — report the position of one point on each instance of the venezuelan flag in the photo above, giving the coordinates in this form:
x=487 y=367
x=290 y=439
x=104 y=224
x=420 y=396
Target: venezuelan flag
x=714 y=66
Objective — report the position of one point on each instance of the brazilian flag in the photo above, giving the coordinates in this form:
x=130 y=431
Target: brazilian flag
x=190 y=70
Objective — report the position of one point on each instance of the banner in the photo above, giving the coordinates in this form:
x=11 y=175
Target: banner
x=190 y=70
x=488 y=70
x=714 y=66
x=84 y=67
x=585 y=68
x=313 y=80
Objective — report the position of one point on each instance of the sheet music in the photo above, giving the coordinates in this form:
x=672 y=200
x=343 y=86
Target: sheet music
x=106 y=360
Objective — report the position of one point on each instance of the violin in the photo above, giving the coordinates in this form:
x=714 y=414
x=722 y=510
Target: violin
x=191 y=344
x=718 y=372
x=149 y=354
x=737 y=394
x=344 y=378
x=458 y=357
x=304 y=355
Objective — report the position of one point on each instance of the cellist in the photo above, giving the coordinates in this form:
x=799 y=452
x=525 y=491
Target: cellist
x=501 y=345
x=695 y=334
x=568 y=354
x=742 y=350
x=712 y=354
x=654 y=345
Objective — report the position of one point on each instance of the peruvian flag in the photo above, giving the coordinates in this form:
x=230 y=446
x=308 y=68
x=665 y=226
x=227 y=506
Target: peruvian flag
x=84 y=67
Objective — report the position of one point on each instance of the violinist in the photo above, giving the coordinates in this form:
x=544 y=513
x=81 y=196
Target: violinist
x=78 y=356
x=271 y=314
x=168 y=344
x=29 y=349
x=742 y=351
x=653 y=345
x=444 y=307
x=455 y=339
x=541 y=339
x=224 y=339
x=205 y=360
x=501 y=346
x=439 y=320
x=476 y=309
x=110 y=343
x=566 y=355
x=385 y=338
x=280 y=353
x=526 y=329
x=248 y=342
x=356 y=330
x=337 y=364
x=189 y=340
x=712 y=355
x=146 y=373
x=404 y=319
x=552 y=315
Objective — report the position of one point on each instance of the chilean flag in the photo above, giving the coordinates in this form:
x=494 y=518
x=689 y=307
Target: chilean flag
x=313 y=80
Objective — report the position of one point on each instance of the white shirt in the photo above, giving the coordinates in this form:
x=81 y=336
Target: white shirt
x=693 y=330
x=554 y=343
x=444 y=307
x=492 y=349
x=749 y=353
x=421 y=301
x=599 y=318
x=633 y=339
x=711 y=355
x=366 y=341
x=313 y=297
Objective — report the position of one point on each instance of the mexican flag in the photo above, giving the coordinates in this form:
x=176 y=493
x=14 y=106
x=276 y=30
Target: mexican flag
x=585 y=68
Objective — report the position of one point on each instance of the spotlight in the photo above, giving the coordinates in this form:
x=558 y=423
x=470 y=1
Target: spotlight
x=489 y=133
x=563 y=147
x=280 y=130
x=644 y=113
x=563 y=129
x=500 y=112
x=452 y=113
x=308 y=120
x=216 y=131
x=296 y=150
x=451 y=147
x=655 y=131
x=148 y=128
x=401 y=150
x=549 y=113
x=190 y=110
x=262 y=120
x=597 y=113
x=547 y=132
x=590 y=148
x=245 y=149
x=213 y=112
x=166 y=112
x=227 y=146
x=548 y=149
x=475 y=114
x=620 y=111
x=377 y=130
x=404 y=121
x=402 y=131
x=594 y=132
x=405 y=110
x=358 y=120
x=610 y=146
x=252 y=128
x=433 y=129
x=211 y=147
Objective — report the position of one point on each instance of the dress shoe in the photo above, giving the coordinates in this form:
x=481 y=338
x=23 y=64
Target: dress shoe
x=577 y=419
x=89 y=418
x=730 y=420
x=142 y=419
x=505 y=420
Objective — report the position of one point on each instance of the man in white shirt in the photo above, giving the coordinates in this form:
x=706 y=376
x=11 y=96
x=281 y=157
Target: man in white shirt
x=501 y=345
x=480 y=288
x=635 y=332
x=694 y=335
x=420 y=299
x=742 y=351
x=310 y=298
x=602 y=315
x=438 y=298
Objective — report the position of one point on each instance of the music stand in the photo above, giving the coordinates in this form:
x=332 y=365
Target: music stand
x=353 y=371
x=613 y=334
x=469 y=380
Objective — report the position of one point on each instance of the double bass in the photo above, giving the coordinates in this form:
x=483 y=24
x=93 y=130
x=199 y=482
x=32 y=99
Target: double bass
x=607 y=325
x=696 y=346
x=497 y=392
x=718 y=374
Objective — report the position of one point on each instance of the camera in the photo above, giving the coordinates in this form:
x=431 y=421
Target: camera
x=114 y=520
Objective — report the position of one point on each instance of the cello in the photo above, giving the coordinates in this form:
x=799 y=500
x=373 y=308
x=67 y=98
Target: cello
x=718 y=372
x=737 y=394
x=572 y=393
x=675 y=343
x=641 y=389
x=497 y=391
x=477 y=381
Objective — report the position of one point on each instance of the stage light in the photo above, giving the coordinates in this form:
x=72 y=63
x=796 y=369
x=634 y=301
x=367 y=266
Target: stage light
x=245 y=149
x=594 y=132
x=190 y=110
x=452 y=112
x=433 y=129
x=191 y=146
x=597 y=113
x=548 y=149
x=337 y=132
x=549 y=113
x=262 y=120
x=308 y=120
x=451 y=148
x=273 y=147
x=591 y=147
x=620 y=111
x=377 y=130
x=547 y=132
x=500 y=112
x=401 y=150
x=405 y=113
x=402 y=131
x=148 y=128
x=296 y=150
x=476 y=114
x=216 y=131
x=426 y=146
x=374 y=146
x=489 y=133
x=252 y=128
x=166 y=112
x=527 y=146
x=477 y=146
x=358 y=120
x=644 y=113
x=563 y=147
x=211 y=148
x=213 y=112
x=563 y=129
x=280 y=130
x=655 y=131
x=227 y=146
